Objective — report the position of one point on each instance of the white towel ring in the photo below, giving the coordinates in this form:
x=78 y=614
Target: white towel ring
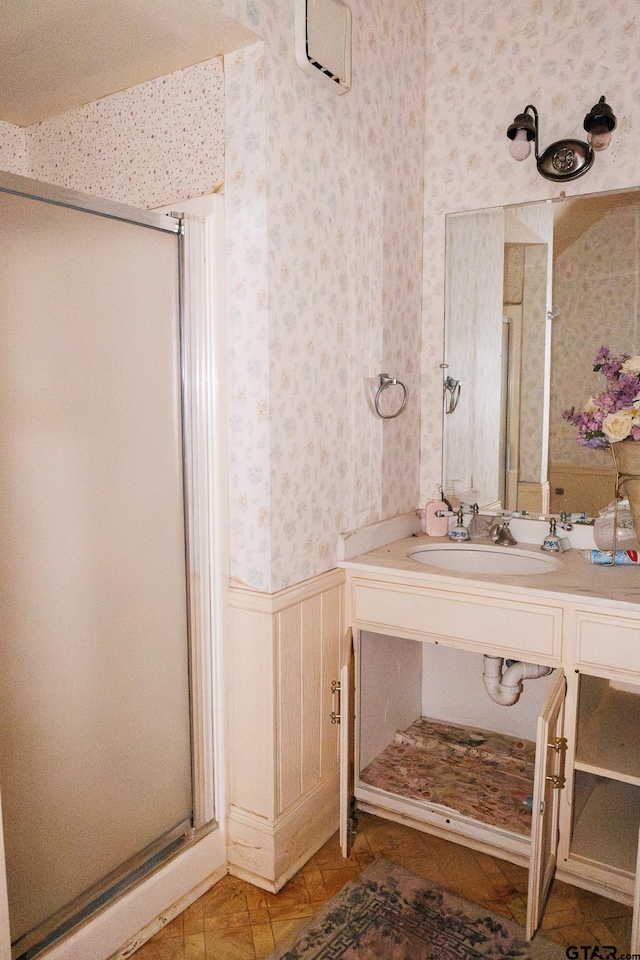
x=384 y=381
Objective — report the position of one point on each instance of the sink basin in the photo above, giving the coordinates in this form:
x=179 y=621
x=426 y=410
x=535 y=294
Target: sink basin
x=478 y=558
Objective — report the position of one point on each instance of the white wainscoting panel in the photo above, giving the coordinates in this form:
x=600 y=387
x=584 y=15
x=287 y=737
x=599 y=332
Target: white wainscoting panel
x=284 y=651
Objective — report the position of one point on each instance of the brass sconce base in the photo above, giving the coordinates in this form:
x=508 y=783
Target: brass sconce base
x=565 y=160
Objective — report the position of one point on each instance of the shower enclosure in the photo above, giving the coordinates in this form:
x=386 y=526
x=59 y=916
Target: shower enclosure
x=96 y=703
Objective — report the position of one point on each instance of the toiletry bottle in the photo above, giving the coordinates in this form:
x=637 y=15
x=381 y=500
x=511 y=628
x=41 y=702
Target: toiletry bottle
x=435 y=526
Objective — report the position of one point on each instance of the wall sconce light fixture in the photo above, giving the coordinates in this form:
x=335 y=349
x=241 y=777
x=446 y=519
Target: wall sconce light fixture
x=564 y=159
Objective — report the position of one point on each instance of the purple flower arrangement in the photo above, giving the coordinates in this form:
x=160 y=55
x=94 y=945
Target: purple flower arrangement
x=614 y=414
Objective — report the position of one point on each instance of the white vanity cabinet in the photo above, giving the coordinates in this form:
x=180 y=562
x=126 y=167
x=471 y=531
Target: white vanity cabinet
x=586 y=803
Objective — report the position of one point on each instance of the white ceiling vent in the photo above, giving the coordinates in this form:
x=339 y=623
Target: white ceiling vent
x=323 y=41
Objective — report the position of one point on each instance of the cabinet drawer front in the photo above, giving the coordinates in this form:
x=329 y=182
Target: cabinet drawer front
x=497 y=625
x=612 y=642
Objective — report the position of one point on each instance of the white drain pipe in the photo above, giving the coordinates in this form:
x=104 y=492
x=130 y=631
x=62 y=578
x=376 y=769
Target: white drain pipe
x=506 y=688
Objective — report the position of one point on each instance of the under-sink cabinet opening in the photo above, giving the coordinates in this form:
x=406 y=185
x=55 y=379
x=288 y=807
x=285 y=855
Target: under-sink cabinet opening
x=429 y=733
x=432 y=748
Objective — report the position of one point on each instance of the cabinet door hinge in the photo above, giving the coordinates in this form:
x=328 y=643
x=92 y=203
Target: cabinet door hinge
x=558 y=782
x=559 y=744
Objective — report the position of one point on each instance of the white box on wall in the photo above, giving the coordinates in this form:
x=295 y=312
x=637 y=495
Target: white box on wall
x=323 y=42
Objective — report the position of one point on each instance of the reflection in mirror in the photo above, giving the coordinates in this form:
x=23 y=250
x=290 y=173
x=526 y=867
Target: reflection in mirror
x=532 y=292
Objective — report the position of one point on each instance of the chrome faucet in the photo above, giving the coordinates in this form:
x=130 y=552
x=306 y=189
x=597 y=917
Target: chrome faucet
x=501 y=535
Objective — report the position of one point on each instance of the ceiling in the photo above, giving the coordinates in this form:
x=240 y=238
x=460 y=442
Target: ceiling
x=56 y=55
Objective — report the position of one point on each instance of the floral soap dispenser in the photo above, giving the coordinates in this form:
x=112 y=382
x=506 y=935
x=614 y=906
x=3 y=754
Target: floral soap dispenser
x=459 y=533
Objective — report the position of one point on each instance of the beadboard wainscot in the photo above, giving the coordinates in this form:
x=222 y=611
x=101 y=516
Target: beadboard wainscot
x=284 y=652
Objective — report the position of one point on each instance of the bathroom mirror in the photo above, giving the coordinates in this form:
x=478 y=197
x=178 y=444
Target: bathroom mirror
x=532 y=291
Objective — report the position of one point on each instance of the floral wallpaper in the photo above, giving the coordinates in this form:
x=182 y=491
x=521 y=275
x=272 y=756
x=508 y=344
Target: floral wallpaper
x=596 y=294
x=14 y=157
x=247 y=316
x=485 y=62
x=335 y=299
x=152 y=144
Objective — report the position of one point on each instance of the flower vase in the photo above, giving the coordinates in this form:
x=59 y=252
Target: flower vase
x=626 y=457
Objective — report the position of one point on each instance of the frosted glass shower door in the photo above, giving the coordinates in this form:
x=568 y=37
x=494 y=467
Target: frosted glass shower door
x=95 y=756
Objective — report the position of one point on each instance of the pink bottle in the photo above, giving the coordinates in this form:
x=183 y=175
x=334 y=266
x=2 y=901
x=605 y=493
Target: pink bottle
x=435 y=526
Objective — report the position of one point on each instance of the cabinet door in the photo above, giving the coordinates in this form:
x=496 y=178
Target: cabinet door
x=548 y=781
x=5 y=940
x=347 y=726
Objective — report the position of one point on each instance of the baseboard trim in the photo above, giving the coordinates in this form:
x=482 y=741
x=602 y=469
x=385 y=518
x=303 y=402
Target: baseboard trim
x=268 y=854
x=146 y=908
x=168 y=915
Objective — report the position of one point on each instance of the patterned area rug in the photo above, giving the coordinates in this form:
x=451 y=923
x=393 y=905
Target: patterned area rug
x=391 y=914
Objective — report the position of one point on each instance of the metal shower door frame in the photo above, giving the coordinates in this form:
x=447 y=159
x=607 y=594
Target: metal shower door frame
x=201 y=496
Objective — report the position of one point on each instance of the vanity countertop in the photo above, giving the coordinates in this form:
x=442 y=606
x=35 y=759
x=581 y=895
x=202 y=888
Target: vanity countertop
x=574 y=578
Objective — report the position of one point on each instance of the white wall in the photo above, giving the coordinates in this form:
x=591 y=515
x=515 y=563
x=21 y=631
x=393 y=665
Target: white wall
x=405 y=679
x=390 y=673
x=453 y=690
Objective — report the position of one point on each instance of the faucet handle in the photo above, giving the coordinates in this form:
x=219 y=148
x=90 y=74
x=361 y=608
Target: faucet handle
x=500 y=533
x=459 y=533
x=553 y=543
x=505 y=538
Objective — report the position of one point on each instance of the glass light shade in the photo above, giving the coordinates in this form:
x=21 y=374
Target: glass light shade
x=599 y=137
x=520 y=146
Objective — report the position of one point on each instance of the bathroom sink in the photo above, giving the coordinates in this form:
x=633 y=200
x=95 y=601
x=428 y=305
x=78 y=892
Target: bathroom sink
x=478 y=558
